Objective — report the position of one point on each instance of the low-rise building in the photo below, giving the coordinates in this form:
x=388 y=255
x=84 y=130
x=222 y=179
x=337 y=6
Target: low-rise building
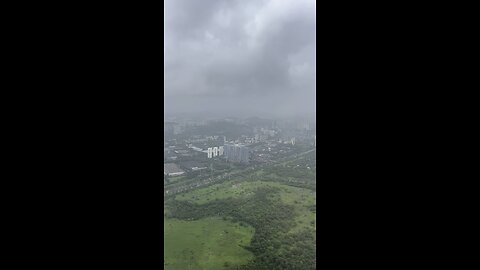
x=193 y=166
x=171 y=169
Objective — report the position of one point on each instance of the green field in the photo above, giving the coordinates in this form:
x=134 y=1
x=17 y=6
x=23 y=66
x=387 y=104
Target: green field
x=281 y=215
x=209 y=243
x=300 y=198
x=230 y=189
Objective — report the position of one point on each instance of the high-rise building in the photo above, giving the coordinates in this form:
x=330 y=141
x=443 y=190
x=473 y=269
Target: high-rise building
x=236 y=153
x=212 y=151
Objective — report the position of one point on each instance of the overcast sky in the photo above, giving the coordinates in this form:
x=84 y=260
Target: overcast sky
x=240 y=58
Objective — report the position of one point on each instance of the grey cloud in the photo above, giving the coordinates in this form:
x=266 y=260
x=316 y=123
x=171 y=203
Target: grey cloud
x=255 y=56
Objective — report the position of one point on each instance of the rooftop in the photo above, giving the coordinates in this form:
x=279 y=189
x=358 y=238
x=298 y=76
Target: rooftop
x=171 y=168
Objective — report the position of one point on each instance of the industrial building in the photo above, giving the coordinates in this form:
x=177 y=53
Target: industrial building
x=171 y=169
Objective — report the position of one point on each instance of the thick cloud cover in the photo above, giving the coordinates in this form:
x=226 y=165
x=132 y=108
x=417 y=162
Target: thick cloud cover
x=245 y=57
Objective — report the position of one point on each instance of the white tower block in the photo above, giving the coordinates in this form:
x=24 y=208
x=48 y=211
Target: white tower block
x=209 y=152
x=215 y=151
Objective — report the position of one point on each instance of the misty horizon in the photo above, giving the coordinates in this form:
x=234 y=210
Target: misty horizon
x=240 y=58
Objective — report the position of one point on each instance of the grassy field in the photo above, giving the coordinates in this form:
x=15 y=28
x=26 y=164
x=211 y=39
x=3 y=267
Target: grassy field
x=214 y=242
x=230 y=189
x=301 y=199
x=210 y=243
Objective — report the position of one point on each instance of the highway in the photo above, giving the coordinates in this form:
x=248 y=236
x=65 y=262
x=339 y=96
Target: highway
x=198 y=183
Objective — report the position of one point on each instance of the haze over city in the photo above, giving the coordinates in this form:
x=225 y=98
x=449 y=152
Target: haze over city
x=239 y=151
x=240 y=58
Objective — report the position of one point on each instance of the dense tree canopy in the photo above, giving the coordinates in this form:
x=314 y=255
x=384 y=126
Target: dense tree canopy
x=272 y=245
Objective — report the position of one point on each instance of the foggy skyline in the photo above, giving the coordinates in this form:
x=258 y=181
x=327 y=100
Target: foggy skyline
x=240 y=58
